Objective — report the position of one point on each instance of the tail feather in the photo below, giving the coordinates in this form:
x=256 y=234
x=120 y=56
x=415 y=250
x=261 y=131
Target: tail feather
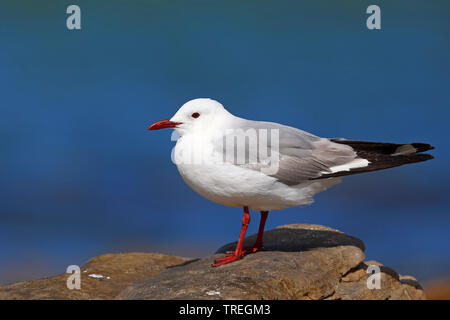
x=383 y=155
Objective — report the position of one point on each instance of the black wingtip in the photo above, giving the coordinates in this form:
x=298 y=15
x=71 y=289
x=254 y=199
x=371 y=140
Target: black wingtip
x=422 y=147
x=383 y=155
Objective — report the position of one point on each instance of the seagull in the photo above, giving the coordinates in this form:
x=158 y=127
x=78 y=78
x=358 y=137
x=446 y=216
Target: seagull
x=266 y=166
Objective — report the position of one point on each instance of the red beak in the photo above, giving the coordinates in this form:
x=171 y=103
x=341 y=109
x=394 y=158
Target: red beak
x=163 y=124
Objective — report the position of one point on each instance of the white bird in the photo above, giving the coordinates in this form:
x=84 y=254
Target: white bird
x=267 y=166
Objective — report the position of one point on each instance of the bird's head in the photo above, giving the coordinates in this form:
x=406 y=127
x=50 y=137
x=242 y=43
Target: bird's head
x=195 y=115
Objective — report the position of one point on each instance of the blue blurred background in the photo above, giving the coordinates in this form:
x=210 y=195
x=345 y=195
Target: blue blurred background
x=80 y=174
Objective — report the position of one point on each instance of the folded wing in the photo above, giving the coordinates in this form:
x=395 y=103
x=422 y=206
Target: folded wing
x=298 y=155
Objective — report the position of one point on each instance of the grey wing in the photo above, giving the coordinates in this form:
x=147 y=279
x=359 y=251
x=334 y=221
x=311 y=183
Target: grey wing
x=297 y=165
x=297 y=155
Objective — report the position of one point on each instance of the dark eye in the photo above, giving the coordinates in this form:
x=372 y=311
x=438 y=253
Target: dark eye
x=195 y=115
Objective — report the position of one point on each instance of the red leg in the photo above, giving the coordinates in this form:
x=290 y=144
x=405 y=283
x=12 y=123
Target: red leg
x=238 y=253
x=259 y=239
x=262 y=223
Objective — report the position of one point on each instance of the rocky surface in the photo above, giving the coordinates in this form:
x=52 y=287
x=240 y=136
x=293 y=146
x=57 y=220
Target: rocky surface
x=117 y=271
x=297 y=262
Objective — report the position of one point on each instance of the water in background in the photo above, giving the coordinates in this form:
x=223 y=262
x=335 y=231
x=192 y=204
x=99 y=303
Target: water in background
x=80 y=174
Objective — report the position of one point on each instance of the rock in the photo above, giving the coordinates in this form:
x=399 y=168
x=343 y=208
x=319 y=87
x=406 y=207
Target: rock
x=102 y=277
x=392 y=286
x=298 y=262
x=300 y=237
